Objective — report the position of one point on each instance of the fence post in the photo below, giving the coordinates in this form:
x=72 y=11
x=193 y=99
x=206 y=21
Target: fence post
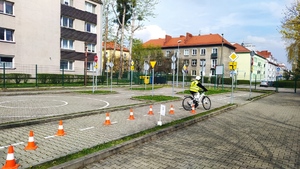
x=4 y=83
x=62 y=79
x=36 y=78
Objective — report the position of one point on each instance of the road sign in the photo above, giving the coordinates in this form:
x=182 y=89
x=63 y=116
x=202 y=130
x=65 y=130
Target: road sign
x=172 y=65
x=278 y=69
x=146 y=66
x=111 y=64
x=152 y=63
x=131 y=67
x=96 y=65
x=132 y=63
x=232 y=65
x=173 y=58
x=95 y=58
x=233 y=56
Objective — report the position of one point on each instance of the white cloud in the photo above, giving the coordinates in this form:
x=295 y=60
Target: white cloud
x=150 y=32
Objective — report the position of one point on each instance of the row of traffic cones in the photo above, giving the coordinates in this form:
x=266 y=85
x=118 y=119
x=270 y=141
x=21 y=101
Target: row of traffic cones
x=131 y=116
x=10 y=159
x=11 y=162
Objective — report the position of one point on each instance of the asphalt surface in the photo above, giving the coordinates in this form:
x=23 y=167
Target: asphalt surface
x=84 y=131
x=260 y=135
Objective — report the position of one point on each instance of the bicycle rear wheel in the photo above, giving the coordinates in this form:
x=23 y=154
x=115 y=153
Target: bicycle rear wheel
x=206 y=103
x=187 y=103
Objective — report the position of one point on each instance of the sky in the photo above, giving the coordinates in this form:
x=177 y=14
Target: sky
x=241 y=21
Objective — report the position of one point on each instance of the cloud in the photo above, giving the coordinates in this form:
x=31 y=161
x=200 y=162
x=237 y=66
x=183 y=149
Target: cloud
x=150 y=32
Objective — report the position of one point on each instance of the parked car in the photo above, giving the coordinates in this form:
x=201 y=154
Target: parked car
x=263 y=84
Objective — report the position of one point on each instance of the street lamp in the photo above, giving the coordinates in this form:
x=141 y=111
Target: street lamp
x=178 y=42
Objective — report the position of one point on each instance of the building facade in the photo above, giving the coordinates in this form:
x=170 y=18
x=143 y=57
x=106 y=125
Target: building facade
x=55 y=35
x=199 y=54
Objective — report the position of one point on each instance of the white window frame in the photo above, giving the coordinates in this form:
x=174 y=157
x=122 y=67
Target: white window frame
x=89 y=7
x=186 y=62
x=214 y=50
x=168 y=53
x=5 y=7
x=214 y=63
x=91 y=66
x=67 y=44
x=67 y=2
x=91 y=47
x=5 y=36
x=69 y=22
x=69 y=64
x=89 y=27
x=6 y=60
x=202 y=52
x=194 y=52
x=186 y=52
x=194 y=72
x=194 y=62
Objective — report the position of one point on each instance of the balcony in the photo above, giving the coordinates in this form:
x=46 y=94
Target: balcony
x=214 y=55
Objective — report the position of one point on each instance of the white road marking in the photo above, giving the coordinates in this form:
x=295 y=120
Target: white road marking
x=88 y=128
x=15 y=144
x=49 y=137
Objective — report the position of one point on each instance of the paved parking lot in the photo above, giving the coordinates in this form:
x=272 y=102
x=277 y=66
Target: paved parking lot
x=87 y=131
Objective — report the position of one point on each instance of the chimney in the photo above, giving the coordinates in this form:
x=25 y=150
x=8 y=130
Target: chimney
x=167 y=38
x=188 y=36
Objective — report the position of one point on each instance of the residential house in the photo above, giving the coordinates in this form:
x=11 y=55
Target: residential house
x=111 y=57
x=199 y=53
x=51 y=34
x=271 y=65
x=244 y=67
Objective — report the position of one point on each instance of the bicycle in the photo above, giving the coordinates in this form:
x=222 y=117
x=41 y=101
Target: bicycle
x=188 y=101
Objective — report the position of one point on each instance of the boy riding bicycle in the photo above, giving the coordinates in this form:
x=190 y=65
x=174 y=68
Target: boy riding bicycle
x=195 y=87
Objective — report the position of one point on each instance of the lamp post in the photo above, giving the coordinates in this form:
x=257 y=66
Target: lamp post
x=178 y=42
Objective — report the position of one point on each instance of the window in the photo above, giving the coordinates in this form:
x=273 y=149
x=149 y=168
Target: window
x=67 y=44
x=91 y=66
x=213 y=63
x=186 y=62
x=6 y=7
x=168 y=53
x=194 y=62
x=90 y=27
x=6 y=34
x=202 y=62
x=89 y=7
x=8 y=62
x=213 y=72
x=194 y=52
x=66 y=22
x=202 y=52
x=67 y=2
x=159 y=63
x=66 y=65
x=186 y=52
x=91 y=47
x=215 y=50
x=194 y=72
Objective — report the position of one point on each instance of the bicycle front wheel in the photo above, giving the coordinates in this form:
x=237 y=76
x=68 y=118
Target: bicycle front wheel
x=187 y=103
x=206 y=103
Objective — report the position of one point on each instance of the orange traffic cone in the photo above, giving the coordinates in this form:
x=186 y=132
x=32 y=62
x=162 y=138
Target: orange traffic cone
x=150 y=111
x=131 y=117
x=107 y=120
x=10 y=159
x=193 y=109
x=60 y=131
x=31 y=145
x=171 y=110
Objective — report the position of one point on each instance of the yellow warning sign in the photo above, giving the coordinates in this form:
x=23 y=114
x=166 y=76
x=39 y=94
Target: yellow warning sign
x=152 y=63
x=233 y=56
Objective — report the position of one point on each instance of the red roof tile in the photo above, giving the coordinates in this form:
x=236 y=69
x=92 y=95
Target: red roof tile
x=189 y=40
x=264 y=53
x=240 y=49
x=110 y=46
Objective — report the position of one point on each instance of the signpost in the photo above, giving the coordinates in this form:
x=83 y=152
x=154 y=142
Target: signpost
x=173 y=68
x=252 y=53
x=146 y=68
x=131 y=70
x=152 y=63
x=232 y=66
x=95 y=64
x=111 y=64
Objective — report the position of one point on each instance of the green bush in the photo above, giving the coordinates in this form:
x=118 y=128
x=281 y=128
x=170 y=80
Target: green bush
x=18 y=77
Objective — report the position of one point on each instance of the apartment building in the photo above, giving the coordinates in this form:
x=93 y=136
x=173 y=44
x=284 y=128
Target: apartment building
x=52 y=34
x=199 y=53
